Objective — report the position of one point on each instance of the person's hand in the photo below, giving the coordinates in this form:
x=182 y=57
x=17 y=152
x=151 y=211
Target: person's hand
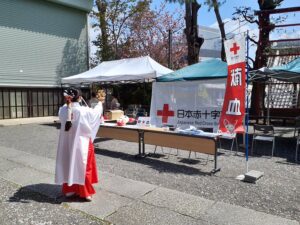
x=68 y=125
x=68 y=100
x=99 y=97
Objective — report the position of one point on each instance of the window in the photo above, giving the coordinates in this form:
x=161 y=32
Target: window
x=29 y=102
x=22 y=103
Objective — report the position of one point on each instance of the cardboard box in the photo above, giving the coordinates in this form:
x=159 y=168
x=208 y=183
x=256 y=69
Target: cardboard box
x=113 y=114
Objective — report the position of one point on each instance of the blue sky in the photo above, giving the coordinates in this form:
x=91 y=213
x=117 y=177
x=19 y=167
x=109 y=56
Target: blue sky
x=208 y=18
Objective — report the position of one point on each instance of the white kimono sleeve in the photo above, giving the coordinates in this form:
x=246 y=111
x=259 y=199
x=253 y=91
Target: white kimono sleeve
x=94 y=119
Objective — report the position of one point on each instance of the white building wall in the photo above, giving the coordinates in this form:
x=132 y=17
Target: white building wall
x=212 y=45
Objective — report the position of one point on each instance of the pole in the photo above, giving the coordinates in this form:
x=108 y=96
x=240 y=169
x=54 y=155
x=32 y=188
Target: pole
x=247 y=102
x=268 y=99
x=170 y=50
x=88 y=42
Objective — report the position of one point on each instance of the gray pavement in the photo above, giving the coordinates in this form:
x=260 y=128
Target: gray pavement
x=23 y=206
x=22 y=121
x=156 y=190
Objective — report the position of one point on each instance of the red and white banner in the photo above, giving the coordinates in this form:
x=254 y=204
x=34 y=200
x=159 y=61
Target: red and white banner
x=233 y=109
x=235 y=50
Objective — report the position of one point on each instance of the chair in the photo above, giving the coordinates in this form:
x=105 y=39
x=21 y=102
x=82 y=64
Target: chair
x=263 y=133
x=297 y=147
x=156 y=148
x=232 y=137
x=169 y=153
x=141 y=112
x=297 y=126
x=131 y=111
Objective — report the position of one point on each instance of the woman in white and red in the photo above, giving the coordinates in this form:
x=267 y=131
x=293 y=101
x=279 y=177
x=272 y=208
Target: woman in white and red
x=76 y=166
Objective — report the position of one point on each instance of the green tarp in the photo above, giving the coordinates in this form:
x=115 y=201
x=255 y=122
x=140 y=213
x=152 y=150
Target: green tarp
x=209 y=69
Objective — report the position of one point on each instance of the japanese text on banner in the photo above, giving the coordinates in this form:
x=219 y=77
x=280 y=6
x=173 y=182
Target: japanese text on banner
x=233 y=109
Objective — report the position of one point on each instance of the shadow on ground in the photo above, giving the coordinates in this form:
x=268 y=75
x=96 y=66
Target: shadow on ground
x=285 y=148
x=98 y=140
x=57 y=125
x=45 y=193
x=35 y=192
x=155 y=163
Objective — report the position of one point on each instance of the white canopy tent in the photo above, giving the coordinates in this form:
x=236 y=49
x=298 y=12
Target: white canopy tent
x=131 y=69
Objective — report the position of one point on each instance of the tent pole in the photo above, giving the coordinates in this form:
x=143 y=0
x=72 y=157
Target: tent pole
x=91 y=89
x=144 y=93
x=106 y=101
x=268 y=105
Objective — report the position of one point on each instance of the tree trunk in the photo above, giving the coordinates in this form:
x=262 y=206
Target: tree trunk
x=263 y=46
x=222 y=29
x=261 y=59
x=104 y=45
x=194 y=42
x=265 y=28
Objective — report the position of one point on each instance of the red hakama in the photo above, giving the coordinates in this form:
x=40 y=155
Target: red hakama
x=91 y=177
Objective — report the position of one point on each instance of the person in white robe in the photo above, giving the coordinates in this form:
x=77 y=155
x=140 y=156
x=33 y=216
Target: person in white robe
x=75 y=162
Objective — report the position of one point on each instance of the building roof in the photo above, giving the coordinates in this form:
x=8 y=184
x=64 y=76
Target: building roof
x=85 y=5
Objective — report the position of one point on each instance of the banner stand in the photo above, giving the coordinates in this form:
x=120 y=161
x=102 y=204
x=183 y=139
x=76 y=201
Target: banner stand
x=247 y=105
x=253 y=175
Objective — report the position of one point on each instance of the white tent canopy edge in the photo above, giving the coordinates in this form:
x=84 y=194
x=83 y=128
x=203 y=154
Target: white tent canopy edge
x=141 y=68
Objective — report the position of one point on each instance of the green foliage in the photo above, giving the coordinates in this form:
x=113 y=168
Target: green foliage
x=112 y=18
x=210 y=3
x=105 y=52
x=269 y=4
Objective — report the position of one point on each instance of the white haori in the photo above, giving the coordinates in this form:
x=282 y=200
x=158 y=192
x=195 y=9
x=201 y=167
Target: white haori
x=72 y=151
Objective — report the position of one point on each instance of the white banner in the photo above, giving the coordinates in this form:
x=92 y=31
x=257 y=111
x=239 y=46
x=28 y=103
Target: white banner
x=235 y=50
x=187 y=103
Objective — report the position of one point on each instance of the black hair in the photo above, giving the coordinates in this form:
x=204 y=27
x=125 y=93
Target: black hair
x=79 y=93
x=74 y=93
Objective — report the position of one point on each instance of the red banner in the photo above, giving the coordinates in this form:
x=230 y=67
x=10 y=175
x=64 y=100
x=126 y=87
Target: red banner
x=233 y=110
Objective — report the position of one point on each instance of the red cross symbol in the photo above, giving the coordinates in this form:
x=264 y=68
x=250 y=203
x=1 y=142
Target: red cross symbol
x=165 y=113
x=235 y=48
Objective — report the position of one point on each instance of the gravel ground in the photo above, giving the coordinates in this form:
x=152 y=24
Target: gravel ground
x=21 y=206
x=277 y=192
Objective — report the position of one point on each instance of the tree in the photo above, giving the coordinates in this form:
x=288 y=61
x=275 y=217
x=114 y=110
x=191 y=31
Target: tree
x=266 y=26
x=112 y=17
x=194 y=42
x=105 y=52
x=143 y=33
x=263 y=47
x=215 y=5
x=148 y=35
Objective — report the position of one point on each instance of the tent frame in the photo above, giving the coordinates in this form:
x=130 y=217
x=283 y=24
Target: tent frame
x=265 y=76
